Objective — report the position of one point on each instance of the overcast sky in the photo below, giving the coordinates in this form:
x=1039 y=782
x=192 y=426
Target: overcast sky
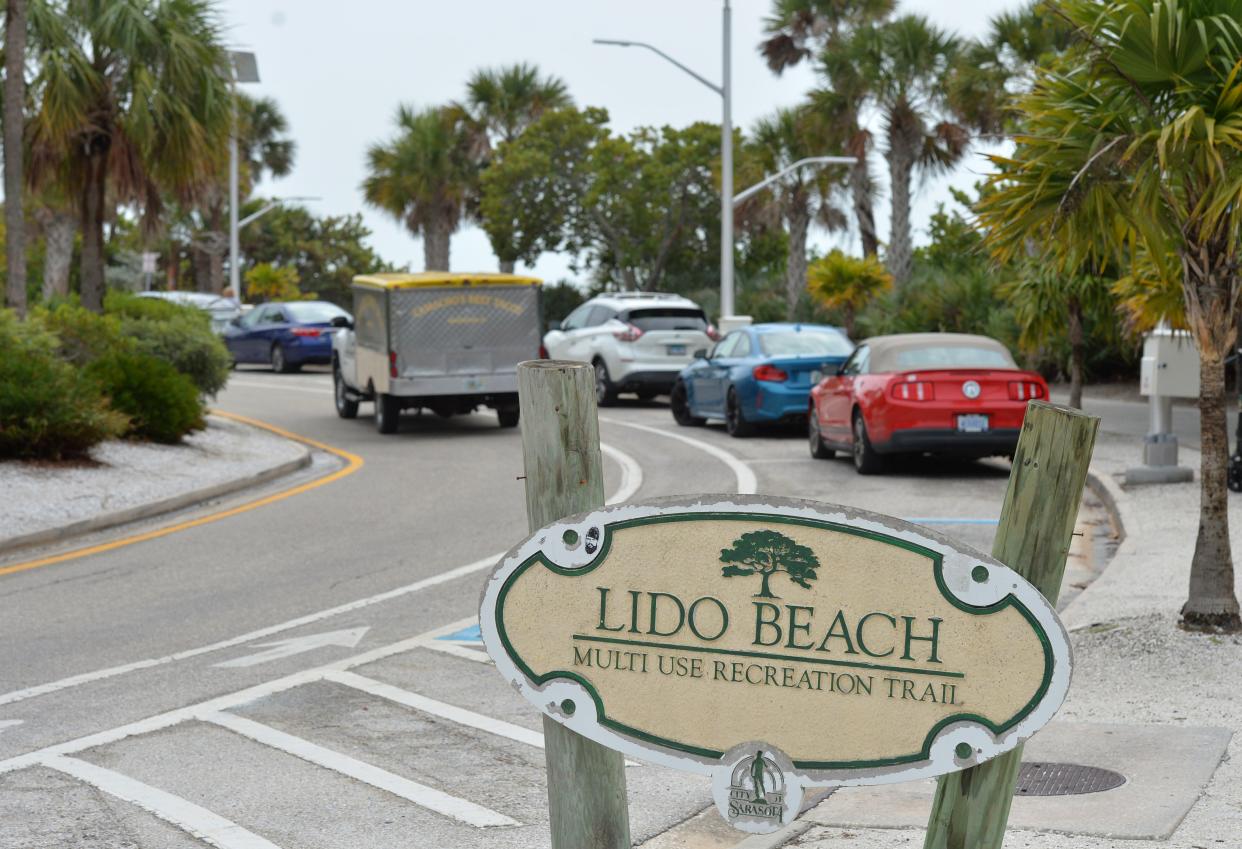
x=338 y=71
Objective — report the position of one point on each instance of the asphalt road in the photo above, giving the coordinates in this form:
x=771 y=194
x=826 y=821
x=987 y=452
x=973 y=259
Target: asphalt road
x=160 y=677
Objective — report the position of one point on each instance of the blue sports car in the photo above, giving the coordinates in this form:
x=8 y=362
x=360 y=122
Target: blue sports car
x=285 y=335
x=758 y=374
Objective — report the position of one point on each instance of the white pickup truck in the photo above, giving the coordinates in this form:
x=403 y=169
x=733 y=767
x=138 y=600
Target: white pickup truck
x=446 y=342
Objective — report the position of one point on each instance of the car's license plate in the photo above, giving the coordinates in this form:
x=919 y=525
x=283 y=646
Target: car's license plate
x=676 y=350
x=972 y=423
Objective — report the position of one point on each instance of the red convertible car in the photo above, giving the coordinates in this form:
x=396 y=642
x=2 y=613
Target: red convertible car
x=915 y=393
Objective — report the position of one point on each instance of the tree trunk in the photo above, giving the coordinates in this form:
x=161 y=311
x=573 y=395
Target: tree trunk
x=1078 y=353
x=1212 y=604
x=59 y=228
x=849 y=315
x=795 y=258
x=436 y=237
x=900 y=251
x=92 y=276
x=506 y=266
x=860 y=188
x=14 y=127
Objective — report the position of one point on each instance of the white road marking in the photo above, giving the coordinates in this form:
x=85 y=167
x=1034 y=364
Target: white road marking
x=631 y=474
x=185 y=815
x=438 y=801
x=9 y=723
x=243 y=639
x=327 y=390
x=459 y=650
x=437 y=708
x=296 y=645
x=746 y=482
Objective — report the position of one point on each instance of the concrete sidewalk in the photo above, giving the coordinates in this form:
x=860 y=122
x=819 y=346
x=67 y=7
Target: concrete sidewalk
x=1150 y=701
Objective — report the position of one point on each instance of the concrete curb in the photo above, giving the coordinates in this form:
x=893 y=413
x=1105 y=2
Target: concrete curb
x=156 y=508
x=1111 y=495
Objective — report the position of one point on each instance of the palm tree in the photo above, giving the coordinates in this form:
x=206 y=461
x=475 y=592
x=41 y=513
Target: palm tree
x=847 y=283
x=423 y=177
x=778 y=141
x=133 y=102
x=1136 y=137
x=908 y=62
x=58 y=223
x=14 y=151
x=800 y=29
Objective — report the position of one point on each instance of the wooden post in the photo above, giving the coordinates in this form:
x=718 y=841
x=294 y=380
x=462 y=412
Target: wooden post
x=564 y=475
x=971 y=808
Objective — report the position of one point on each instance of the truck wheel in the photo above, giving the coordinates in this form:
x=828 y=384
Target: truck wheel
x=387 y=413
x=346 y=407
x=605 y=389
x=508 y=417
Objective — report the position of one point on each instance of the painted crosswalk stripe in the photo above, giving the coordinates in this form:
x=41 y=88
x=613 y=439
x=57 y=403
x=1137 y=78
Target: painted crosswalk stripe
x=437 y=708
x=420 y=794
x=185 y=815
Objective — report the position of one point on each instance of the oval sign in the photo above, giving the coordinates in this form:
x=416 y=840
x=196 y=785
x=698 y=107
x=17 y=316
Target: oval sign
x=775 y=644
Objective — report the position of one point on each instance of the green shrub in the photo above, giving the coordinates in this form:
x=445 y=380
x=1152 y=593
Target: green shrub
x=83 y=335
x=162 y=404
x=188 y=346
x=48 y=409
x=126 y=305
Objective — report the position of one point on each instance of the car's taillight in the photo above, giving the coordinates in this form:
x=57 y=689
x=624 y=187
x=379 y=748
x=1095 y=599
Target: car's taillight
x=629 y=334
x=914 y=390
x=543 y=352
x=1025 y=390
x=770 y=373
x=392 y=363
x=712 y=333
x=306 y=331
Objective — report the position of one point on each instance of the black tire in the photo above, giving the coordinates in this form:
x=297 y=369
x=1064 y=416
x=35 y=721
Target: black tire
x=346 y=407
x=647 y=394
x=277 y=358
x=679 y=402
x=735 y=419
x=387 y=413
x=508 y=417
x=605 y=389
x=819 y=450
x=866 y=460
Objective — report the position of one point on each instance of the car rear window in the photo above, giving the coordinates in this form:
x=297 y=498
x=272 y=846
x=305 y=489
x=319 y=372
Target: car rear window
x=804 y=343
x=313 y=313
x=950 y=356
x=667 y=318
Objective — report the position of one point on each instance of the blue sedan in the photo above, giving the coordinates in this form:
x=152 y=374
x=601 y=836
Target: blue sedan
x=758 y=374
x=286 y=335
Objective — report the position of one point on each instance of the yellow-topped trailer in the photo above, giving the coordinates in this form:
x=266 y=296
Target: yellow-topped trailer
x=446 y=342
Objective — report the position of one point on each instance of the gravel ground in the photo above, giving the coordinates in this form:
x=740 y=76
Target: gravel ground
x=1133 y=665
x=124 y=475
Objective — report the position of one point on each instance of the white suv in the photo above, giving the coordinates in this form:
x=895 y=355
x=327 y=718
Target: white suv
x=638 y=341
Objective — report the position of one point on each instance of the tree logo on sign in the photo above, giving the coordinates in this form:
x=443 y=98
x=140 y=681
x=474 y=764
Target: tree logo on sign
x=765 y=553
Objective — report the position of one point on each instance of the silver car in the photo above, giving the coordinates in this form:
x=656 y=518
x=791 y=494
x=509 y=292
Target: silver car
x=221 y=309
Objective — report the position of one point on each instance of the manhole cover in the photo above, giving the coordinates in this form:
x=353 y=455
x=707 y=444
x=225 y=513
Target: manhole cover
x=1045 y=779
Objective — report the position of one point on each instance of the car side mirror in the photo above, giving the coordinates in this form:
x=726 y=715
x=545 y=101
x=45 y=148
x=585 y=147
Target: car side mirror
x=700 y=354
x=235 y=321
x=342 y=321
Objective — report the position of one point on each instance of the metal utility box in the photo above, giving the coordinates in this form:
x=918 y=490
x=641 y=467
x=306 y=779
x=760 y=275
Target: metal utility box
x=1170 y=365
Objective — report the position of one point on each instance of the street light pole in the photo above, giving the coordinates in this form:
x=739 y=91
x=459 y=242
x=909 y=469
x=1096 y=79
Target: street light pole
x=726 y=166
x=245 y=70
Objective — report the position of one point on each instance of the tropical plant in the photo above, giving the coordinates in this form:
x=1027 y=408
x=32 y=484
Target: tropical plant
x=423 y=178
x=14 y=153
x=133 y=102
x=847 y=283
x=796 y=200
x=161 y=404
x=267 y=282
x=1136 y=136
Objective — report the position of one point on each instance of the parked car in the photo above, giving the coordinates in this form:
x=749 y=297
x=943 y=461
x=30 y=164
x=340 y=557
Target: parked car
x=637 y=341
x=446 y=342
x=756 y=375
x=286 y=335
x=915 y=393
x=222 y=310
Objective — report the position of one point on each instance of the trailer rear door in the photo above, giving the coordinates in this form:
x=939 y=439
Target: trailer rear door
x=464 y=330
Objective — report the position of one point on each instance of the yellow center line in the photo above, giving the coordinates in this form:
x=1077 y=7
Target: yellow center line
x=352 y=464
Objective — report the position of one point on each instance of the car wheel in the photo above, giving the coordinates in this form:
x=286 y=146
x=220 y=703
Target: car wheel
x=866 y=460
x=605 y=389
x=346 y=407
x=819 y=450
x=280 y=363
x=508 y=417
x=679 y=401
x=735 y=421
x=387 y=413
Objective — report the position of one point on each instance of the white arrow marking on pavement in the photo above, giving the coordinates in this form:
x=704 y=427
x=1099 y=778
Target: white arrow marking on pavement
x=9 y=723
x=287 y=648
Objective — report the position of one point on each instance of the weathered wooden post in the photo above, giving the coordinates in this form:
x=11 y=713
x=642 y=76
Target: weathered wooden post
x=971 y=807
x=564 y=476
